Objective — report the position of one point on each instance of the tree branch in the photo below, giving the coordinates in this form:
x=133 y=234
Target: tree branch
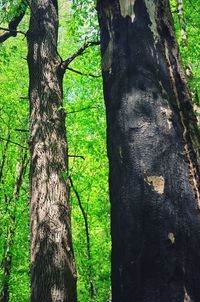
x=8 y=140
x=11 y=31
x=82 y=109
x=65 y=64
x=21 y=130
x=24 y=98
x=84 y=74
x=79 y=156
x=84 y=214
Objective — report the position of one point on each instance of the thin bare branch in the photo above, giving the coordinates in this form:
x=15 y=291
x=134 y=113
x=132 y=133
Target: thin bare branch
x=84 y=74
x=21 y=130
x=13 y=31
x=86 y=45
x=24 y=98
x=78 y=156
x=8 y=140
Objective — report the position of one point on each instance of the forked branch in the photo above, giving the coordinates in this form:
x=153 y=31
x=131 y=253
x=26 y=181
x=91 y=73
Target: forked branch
x=65 y=64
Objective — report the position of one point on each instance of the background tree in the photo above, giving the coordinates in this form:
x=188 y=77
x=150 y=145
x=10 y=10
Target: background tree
x=153 y=145
x=10 y=211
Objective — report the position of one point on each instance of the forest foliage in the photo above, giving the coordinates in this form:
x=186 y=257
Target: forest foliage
x=86 y=134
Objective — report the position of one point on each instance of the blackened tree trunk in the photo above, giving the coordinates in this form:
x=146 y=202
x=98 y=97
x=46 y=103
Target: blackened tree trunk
x=53 y=275
x=152 y=141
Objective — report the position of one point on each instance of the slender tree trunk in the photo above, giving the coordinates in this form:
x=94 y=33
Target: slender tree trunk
x=182 y=22
x=53 y=275
x=87 y=235
x=4 y=158
x=152 y=142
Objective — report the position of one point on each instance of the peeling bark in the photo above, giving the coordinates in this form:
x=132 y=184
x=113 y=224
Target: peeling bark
x=153 y=148
x=53 y=274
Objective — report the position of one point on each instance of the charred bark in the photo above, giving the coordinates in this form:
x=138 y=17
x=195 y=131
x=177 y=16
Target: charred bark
x=153 y=145
x=53 y=275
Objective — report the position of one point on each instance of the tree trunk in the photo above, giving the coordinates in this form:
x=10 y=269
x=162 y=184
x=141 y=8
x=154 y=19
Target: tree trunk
x=152 y=142
x=3 y=160
x=53 y=275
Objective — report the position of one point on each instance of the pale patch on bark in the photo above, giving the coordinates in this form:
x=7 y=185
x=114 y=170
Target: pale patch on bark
x=151 y=9
x=56 y=293
x=157 y=182
x=168 y=114
x=108 y=54
x=107 y=57
x=171 y=237
x=186 y=297
x=197 y=111
x=127 y=9
x=35 y=52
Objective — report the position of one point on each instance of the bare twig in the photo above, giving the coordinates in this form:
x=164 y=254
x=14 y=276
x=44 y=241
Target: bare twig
x=8 y=140
x=86 y=45
x=22 y=130
x=78 y=156
x=24 y=98
x=84 y=74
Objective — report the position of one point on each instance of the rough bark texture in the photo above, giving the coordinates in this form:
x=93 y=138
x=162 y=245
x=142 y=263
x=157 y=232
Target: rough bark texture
x=152 y=141
x=53 y=275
